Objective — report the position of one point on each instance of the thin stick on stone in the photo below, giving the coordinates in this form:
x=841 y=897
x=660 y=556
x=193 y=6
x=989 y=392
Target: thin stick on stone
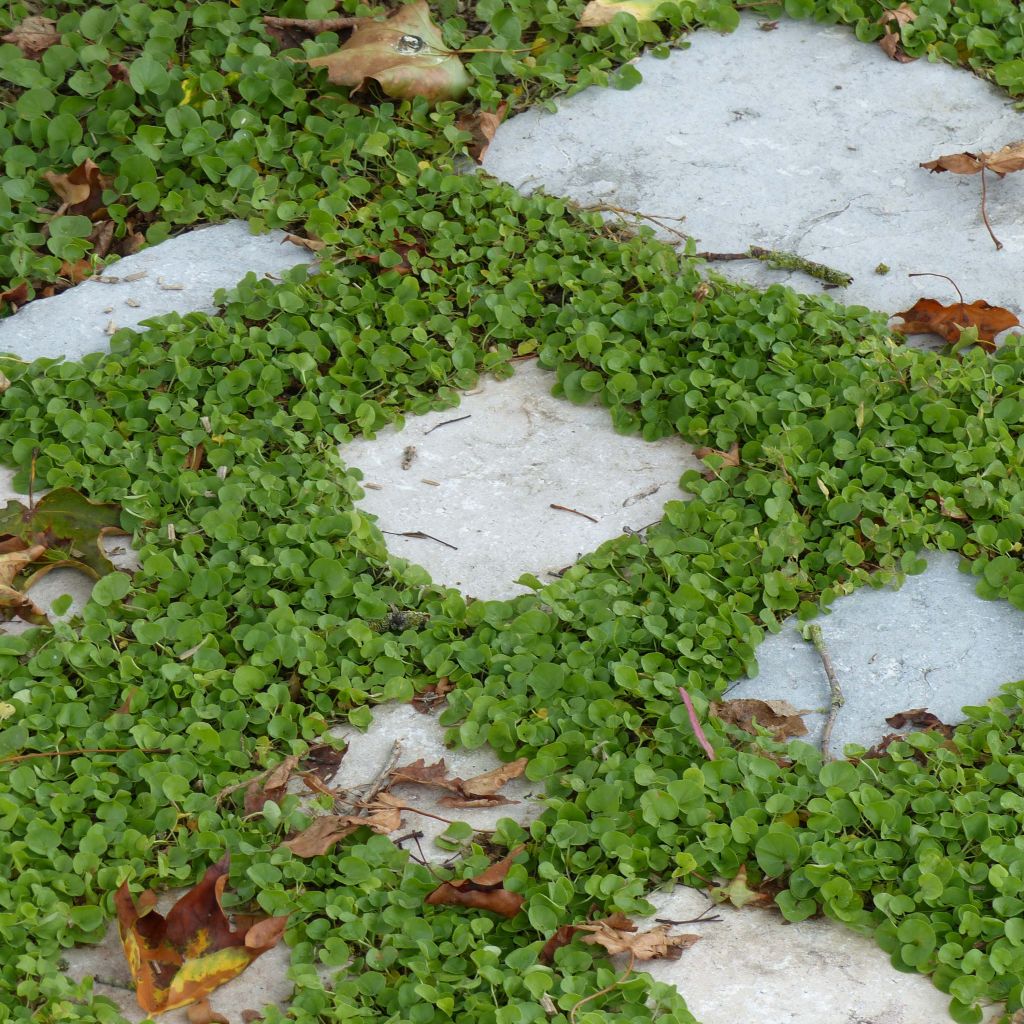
x=782 y=260
x=366 y=793
x=836 y=698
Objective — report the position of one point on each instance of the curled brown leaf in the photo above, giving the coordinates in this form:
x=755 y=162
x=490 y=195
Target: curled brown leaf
x=779 y=717
x=484 y=891
x=618 y=934
x=929 y=316
x=891 y=41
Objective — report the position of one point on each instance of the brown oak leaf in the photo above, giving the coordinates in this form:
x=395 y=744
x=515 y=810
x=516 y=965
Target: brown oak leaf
x=779 y=717
x=929 y=316
x=81 y=190
x=33 y=36
x=891 y=41
x=485 y=891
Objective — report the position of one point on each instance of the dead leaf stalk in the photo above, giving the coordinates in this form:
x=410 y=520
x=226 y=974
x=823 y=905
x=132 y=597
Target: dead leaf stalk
x=575 y=512
x=445 y=423
x=836 y=698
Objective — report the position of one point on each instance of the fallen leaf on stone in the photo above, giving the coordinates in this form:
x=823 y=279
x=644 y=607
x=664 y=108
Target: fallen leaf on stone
x=323 y=759
x=779 y=717
x=203 y=1013
x=478 y=791
x=312 y=244
x=920 y=718
x=891 y=41
x=485 y=891
x=731 y=458
x=384 y=816
x=181 y=958
x=928 y=316
x=271 y=786
x=33 y=36
x=618 y=934
x=12 y=601
x=601 y=12
x=431 y=696
x=81 y=190
x=405 y=55
x=1001 y=161
x=738 y=893
x=69 y=526
x=481 y=125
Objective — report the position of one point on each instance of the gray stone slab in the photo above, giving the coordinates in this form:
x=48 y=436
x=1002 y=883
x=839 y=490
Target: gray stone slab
x=486 y=485
x=803 y=139
x=180 y=275
x=933 y=643
x=752 y=966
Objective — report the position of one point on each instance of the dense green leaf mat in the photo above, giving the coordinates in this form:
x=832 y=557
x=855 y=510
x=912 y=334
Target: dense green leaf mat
x=277 y=574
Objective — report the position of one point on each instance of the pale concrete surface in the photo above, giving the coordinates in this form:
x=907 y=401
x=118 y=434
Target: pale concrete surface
x=63 y=581
x=933 y=643
x=753 y=966
x=801 y=138
x=496 y=475
x=177 y=276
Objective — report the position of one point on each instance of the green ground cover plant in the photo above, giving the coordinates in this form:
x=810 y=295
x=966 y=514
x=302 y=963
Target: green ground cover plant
x=266 y=606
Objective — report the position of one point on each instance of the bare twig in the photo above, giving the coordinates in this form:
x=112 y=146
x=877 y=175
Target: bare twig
x=707 y=916
x=657 y=219
x=12 y=758
x=575 y=512
x=984 y=211
x=925 y=273
x=836 y=698
x=608 y=988
x=419 y=535
x=313 y=26
x=437 y=426
x=383 y=778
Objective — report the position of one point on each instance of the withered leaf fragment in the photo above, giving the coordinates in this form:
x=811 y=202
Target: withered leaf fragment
x=270 y=786
x=478 y=791
x=618 y=934
x=181 y=958
x=779 y=717
x=203 y=1013
x=485 y=891
x=34 y=36
x=738 y=893
x=433 y=695
x=481 y=125
x=405 y=55
x=920 y=718
x=12 y=601
x=928 y=316
x=730 y=459
x=384 y=816
x=312 y=244
x=602 y=12
x=891 y=41
x=81 y=190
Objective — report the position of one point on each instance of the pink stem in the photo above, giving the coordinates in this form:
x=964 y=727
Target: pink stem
x=697 y=730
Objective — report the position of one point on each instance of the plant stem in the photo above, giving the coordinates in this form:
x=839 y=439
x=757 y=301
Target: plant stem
x=836 y=698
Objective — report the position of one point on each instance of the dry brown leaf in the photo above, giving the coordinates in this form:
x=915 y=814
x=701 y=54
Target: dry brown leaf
x=485 y=891
x=618 y=934
x=385 y=815
x=779 y=717
x=920 y=718
x=203 y=1013
x=81 y=190
x=891 y=41
x=14 y=602
x=478 y=791
x=195 y=457
x=271 y=786
x=731 y=459
x=34 y=36
x=928 y=316
x=405 y=55
x=15 y=297
x=481 y=125
x=312 y=244
x=323 y=759
x=4 y=382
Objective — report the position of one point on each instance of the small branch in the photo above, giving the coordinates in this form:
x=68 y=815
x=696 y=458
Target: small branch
x=314 y=26
x=437 y=426
x=782 y=260
x=925 y=273
x=383 y=778
x=984 y=211
x=575 y=512
x=419 y=535
x=12 y=758
x=707 y=916
x=836 y=698
x=657 y=219
x=597 y=995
